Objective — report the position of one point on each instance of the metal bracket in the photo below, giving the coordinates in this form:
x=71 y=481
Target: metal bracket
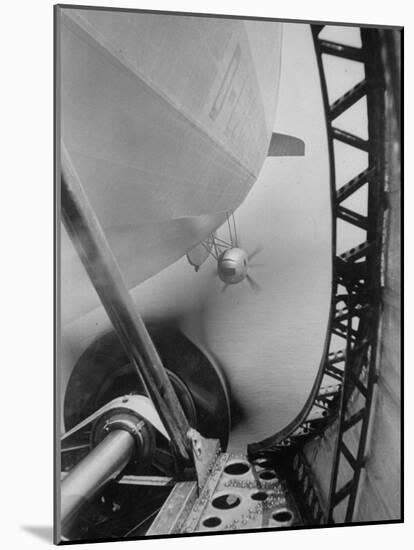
x=136 y=404
x=205 y=453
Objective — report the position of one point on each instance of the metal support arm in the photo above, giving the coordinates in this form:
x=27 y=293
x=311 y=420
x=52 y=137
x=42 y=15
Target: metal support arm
x=97 y=257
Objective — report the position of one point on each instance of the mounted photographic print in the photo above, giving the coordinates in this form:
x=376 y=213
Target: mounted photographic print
x=228 y=311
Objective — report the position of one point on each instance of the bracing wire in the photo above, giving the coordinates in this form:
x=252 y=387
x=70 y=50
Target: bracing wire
x=210 y=250
x=230 y=232
x=235 y=230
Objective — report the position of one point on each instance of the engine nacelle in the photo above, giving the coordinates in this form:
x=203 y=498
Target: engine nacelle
x=232 y=266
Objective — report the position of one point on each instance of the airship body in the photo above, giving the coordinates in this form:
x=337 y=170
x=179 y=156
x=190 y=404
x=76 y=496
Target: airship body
x=167 y=121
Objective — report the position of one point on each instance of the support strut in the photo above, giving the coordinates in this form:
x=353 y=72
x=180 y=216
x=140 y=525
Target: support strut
x=96 y=255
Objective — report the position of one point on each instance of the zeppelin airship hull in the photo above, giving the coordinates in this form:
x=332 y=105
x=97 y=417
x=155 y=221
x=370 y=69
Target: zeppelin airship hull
x=166 y=120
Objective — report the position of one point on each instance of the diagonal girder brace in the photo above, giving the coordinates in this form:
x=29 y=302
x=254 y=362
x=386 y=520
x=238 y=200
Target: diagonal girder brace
x=354 y=184
x=334 y=372
x=354 y=419
x=343 y=492
x=341 y=50
x=352 y=217
x=357 y=252
x=348 y=99
x=350 y=139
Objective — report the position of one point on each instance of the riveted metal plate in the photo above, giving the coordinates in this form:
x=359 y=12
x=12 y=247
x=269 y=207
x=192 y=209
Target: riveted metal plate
x=242 y=495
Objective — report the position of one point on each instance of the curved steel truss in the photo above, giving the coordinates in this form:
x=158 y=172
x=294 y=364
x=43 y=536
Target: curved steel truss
x=348 y=365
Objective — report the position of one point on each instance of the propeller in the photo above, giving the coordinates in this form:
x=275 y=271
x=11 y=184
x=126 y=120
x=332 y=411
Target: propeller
x=233 y=262
x=236 y=266
x=253 y=284
x=255 y=252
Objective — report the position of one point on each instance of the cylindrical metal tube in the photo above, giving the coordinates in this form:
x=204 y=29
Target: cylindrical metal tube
x=101 y=465
x=96 y=255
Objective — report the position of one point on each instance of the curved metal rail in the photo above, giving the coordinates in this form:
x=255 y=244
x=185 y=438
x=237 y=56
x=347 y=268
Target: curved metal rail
x=355 y=297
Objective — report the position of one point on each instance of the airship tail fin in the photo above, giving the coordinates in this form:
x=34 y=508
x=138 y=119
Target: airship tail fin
x=282 y=145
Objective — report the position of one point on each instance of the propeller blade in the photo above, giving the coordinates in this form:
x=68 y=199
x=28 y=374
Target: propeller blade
x=253 y=284
x=224 y=288
x=254 y=253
